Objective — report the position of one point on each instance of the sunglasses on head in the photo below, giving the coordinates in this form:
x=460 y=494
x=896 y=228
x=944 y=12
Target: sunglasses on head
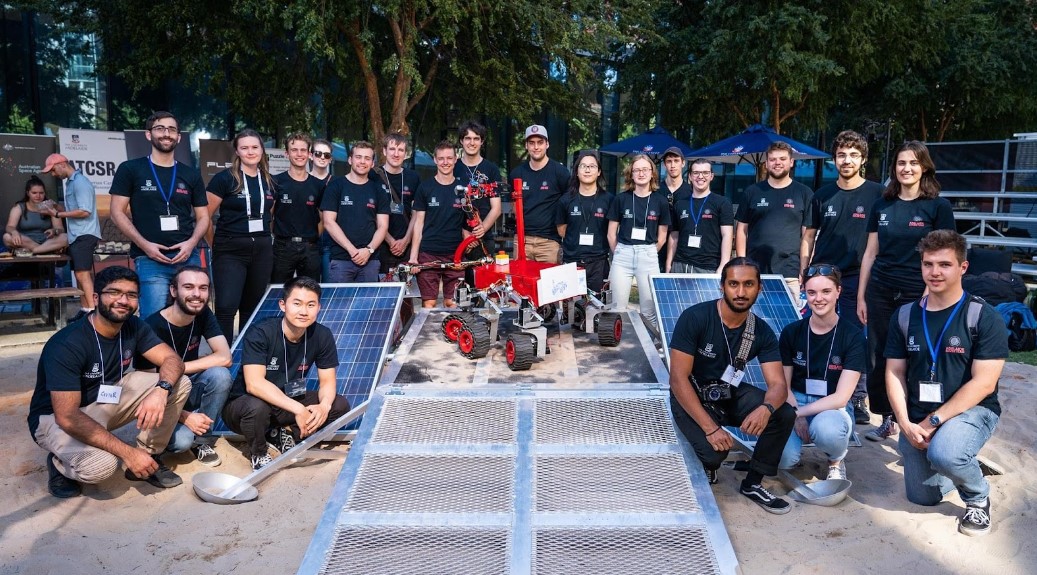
x=325 y=155
x=821 y=270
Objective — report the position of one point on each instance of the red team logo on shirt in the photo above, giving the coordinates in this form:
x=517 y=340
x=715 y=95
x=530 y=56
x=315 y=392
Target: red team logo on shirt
x=916 y=222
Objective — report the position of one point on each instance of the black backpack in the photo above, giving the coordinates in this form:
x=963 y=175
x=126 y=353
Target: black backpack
x=1019 y=337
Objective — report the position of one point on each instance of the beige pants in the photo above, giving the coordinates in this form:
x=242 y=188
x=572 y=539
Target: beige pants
x=542 y=250
x=87 y=464
x=794 y=289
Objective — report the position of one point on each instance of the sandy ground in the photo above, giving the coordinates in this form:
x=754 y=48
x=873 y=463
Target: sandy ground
x=123 y=527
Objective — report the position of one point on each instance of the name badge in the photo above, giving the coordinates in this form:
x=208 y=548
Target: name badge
x=930 y=391
x=694 y=241
x=639 y=234
x=109 y=394
x=396 y=208
x=586 y=239
x=295 y=387
x=817 y=387
x=733 y=376
x=255 y=225
x=168 y=223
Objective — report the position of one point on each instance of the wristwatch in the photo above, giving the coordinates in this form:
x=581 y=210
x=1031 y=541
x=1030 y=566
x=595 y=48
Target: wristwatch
x=370 y=249
x=934 y=420
x=165 y=385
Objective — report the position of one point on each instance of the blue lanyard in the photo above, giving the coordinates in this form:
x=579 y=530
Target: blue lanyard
x=162 y=190
x=933 y=351
x=697 y=217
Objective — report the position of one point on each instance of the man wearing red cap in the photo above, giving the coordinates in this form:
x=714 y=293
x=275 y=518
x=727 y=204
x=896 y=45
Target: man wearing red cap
x=84 y=231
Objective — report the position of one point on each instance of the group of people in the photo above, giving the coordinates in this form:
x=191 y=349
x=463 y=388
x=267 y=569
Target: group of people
x=850 y=248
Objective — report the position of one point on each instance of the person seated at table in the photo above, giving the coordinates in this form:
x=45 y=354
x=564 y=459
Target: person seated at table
x=823 y=357
x=28 y=228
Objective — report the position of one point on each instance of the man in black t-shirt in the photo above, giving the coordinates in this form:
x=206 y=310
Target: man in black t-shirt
x=355 y=213
x=674 y=186
x=773 y=217
x=706 y=387
x=183 y=326
x=941 y=377
x=296 y=224
x=543 y=182
x=168 y=205
x=438 y=228
x=270 y=391
x=85 y=388
x=703 y=224
x=399 y=183
x=473 y=169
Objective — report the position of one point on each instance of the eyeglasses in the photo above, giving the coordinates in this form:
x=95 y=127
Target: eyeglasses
x=171 y=130
x=854 y=156
x=822 y=270
x=118 y=295
x=588 y=167
x=325 y=155
x=705 y=174
x=640 y=171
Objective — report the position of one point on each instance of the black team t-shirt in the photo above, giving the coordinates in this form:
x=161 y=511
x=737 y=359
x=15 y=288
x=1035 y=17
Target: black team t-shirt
x=297 y=206
x=775 y=217
x=135 y=180
x=842 y=348
x=584 y=216
x=712 y=211
x=265 y=344
x=358 y=207
x=541 y=190
x=841 y=219
x=632 y=211
x=233 y=216
x=444 y=218
x=185 y=340
x=400 y=189
x=485 y=173
x=900 y=226
x=77 y=358
x=956 y=352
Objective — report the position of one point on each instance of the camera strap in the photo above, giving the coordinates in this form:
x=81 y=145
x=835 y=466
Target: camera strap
x=745 y=343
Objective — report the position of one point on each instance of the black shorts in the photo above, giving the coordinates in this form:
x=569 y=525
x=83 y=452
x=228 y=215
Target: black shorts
x=81 y=253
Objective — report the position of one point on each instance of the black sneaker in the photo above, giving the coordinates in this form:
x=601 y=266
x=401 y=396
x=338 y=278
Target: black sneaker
x=163 y=477
x=258 y=461
x=280 y=439
x=711 y=475
x=861 y=416
x=60 y=486
x=976 y=520
x=206 y=454
x=760 y=496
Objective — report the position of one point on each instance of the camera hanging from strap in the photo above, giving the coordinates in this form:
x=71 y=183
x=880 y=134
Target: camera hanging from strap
x=745 y=343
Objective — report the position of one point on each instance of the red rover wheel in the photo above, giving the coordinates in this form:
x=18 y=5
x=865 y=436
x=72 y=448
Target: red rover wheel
x=474 y=341
x=520 y=352
x=610 y=329
x=451 y=325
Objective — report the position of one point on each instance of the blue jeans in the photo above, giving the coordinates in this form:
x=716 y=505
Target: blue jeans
x=345 y=271
x=209 y=390
x=628 y=262
x=830 y=431
x=950 y=462
x=154 y=281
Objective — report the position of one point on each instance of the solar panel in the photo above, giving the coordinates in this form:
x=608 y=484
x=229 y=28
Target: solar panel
x=360 y=317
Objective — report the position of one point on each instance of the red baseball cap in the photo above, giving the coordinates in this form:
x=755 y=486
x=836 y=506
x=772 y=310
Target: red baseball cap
x=52 y=160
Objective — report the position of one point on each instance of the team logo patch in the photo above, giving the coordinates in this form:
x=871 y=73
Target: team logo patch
x=955 y=341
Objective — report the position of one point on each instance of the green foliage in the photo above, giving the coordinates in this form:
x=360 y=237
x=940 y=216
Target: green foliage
x=18 y=122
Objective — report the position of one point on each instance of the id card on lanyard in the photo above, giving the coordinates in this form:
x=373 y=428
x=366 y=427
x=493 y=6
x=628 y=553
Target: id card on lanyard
x=931 y=391
x=167 y=222
x=695 y=240
x=255 y=225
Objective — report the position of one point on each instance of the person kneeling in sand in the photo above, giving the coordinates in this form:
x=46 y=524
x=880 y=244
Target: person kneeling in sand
x=270 y=391
x=84 y=389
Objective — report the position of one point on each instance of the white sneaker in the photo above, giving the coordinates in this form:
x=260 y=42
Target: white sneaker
x=837 y=471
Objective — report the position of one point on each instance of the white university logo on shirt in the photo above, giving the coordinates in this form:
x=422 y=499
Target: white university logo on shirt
x=273 y=365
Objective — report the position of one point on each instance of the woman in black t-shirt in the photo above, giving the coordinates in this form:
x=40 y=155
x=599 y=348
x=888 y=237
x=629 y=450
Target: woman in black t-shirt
x=582 y=220
x=242 y=252
x=891 y=268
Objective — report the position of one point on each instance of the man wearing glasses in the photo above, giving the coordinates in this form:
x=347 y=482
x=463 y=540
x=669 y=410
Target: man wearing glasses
x=838 y=232
x=85 y=388
x=167 y=204
x=703 y=225
x=543 y=182
x=296 y=224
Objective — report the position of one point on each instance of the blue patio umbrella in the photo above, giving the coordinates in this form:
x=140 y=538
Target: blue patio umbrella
x=652 y=143
x=751 y=145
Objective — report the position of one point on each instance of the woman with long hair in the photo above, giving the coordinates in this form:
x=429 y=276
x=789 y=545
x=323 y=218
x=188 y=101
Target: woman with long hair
x=891 y=268
x=29 y=227
x=582 y=222
x=638 y=222
x=242 y=252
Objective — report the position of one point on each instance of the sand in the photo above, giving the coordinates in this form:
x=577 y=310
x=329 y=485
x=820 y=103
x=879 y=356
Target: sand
x=122 y=527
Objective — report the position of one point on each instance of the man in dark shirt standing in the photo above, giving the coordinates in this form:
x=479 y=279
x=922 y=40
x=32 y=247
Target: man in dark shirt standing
x=169 y=211
x=543 y=182
x=707 y=364
x=944 y=393
x=438 y=228
x=85 y=388
x=399 y=183
x=674 y=186
x=473 y=169
x=296 y=224
x=773 y=217
x=355 y=212
x=270 y=391
x=703 y=224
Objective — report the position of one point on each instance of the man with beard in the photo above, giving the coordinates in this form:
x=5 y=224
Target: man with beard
x=399 y=184
x=296 y=224
x=711 y=345
x=84 y=389
x=543 y=182
x=182 y=326
x=167 y=202
x=355 y=213
x=773 y=217
x=270 y=391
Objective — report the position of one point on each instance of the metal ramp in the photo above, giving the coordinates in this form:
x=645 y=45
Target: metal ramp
x=520 y=479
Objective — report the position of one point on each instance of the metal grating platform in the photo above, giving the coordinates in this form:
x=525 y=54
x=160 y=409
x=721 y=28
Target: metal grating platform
x=579 y=481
